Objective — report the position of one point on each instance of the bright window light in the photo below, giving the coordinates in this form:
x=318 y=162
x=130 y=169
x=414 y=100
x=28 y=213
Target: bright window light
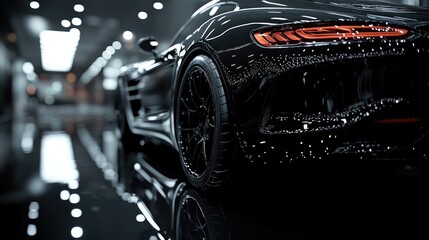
x=75 y=32
x=110 y=84
x=31 y=76
x=33 y=210
x=74 y=184
x=65 y=23
x=77 y=232
x=34 y=5
x=140 y=218
x=64 y=195
x=33 y=214
x=76 y=212
x=100 y=61
x=35 y=24
x=74 y=198
x=116 y=45
x=27 y=68
x=142 y=15
x=106 y=55
x=127 y=35
x=58 y=49
x=27 y=140
x=31 y=230
x=79 y=8
x=111 y=50
x=57 y=163
x=57 y=86
x=158 y=5
x=76 y=21
x=34 y=206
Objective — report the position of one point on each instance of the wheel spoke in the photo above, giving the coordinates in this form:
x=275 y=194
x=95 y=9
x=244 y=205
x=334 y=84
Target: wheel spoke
x=208 y=102
x=197 y=121
x=188 y=119
x=189 y=106
x=189 y=129
x=196 y=156
x=191 y=141
x=204 y=152
x=205 y=91
x=211 y=118
x=202 y=222
x=189 y=213
x=195 y=91
x=210 y=123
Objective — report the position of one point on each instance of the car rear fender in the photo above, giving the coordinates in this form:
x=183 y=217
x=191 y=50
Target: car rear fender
x=205 y=49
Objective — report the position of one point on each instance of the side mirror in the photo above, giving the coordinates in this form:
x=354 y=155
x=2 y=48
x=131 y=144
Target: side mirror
x=148 y=44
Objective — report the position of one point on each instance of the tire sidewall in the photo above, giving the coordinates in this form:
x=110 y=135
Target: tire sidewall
x=203 y=62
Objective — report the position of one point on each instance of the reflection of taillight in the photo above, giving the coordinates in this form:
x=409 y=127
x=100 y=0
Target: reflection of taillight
x=399 y=120
x=270 y=38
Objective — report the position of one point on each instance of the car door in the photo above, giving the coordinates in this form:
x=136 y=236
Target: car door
x=156 y=87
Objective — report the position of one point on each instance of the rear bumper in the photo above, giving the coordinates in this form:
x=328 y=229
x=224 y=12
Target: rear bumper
x=372 y=107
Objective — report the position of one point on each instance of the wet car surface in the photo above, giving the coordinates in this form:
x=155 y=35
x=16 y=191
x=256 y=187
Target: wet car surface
x=112 y=193
x=261 y=80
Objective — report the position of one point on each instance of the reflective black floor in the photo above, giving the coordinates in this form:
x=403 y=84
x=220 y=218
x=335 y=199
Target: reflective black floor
x=64 y=175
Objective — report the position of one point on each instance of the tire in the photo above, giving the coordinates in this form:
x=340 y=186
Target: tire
x=203 y=125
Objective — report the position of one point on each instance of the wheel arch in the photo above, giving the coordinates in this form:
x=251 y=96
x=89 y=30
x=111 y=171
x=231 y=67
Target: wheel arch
x=221 y=135
x=201 y=48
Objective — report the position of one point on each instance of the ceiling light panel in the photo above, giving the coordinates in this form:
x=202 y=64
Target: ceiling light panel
x=58 y=49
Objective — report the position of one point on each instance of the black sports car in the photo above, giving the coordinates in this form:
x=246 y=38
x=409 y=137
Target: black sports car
x=283 y=80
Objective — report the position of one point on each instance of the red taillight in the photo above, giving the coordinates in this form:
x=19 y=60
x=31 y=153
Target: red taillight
x=272 y=38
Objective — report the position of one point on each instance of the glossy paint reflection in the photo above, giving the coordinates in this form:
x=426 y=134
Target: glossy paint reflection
x=142 y=194
x=173 y=210
x=50 y=190
x=252 y=207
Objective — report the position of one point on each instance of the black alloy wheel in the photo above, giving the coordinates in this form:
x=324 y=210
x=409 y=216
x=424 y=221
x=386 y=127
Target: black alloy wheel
x=203 y=125
x=200 y=218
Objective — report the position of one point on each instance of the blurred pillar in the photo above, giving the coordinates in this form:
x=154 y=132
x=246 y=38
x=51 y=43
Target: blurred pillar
x=5 y=80
x=19 y=95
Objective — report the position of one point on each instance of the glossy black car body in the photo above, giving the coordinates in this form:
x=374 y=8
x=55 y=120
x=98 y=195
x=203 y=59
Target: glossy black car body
x=283 y=81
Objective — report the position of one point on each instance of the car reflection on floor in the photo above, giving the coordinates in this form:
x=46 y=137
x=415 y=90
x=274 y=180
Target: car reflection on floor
x=172 y=209
x=151 y=178
x=273 y=202
x=313 y=200
x=115 y=193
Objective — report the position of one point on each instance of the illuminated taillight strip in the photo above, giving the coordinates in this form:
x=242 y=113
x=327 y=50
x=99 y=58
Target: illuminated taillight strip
x=339 y=32
x=265 y=38
x=327 y=33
